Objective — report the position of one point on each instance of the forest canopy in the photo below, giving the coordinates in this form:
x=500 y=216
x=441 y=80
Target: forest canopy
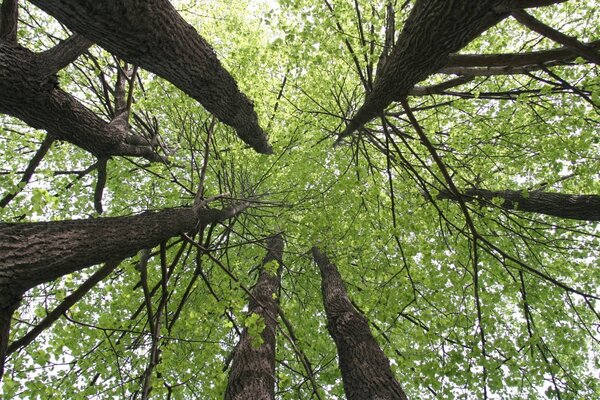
x=299 y=199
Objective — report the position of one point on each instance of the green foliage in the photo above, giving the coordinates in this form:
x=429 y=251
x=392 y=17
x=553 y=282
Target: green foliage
x=407 y=258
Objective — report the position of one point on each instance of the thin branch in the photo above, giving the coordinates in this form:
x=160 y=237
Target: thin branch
x=536 y=25
x=100 y=184
x=440 y=87
x=66 y=304
x=33 y=164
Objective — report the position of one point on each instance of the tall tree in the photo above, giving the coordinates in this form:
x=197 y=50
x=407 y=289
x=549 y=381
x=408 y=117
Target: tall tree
x=252 y=374
x=40 y=252
x=162 y=42
x=365 y=368
x=459 y=101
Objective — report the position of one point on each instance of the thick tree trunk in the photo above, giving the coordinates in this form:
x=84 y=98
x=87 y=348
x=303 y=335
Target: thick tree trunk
x=252 y=375
x=366 y=371
x=29 y=91
x=581 y=207
x=154 y=36
x=33 y=253
x=433 y=30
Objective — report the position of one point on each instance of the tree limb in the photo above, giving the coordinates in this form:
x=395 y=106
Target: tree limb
x=65 y=305
x=63 y=53
x=162 y=42
x=535 y=25
x=422 y=50
x=33 y=164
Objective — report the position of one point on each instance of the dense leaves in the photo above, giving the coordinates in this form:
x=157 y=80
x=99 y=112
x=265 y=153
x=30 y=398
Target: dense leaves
x=467 y=299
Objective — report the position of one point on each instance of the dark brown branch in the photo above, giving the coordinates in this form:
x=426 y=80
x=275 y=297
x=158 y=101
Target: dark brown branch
x=33 y=164
x=27 y=92
x=100 y=185
x=65 y=305
x=517 y=4
x=366 y=371
x=440 y=87
x=9 y=17
x=433 y=30
x=162 y=42
x=64 y=53
x=8 y=305
x=38 y=252
x=535 y=25
x=580 y=207
x=515 y=59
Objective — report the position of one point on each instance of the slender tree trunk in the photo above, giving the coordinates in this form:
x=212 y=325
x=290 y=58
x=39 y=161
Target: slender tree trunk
x=581 y=207
x=434 y=29
x=366 y=371
x=154 y=36
x=252 y=375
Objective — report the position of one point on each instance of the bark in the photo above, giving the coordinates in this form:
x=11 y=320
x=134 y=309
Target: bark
x=433 y=30
x=366 y=371
x=580 y=207
x=252 y=375
x=515 y=59
x=152 y=35
x=33 y=253
x=9 y=16
x=29 y=91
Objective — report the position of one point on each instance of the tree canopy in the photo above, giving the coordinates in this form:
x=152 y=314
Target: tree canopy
x=201 y=197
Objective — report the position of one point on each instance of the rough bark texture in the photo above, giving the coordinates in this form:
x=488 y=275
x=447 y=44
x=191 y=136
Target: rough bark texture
x=9 y=12
x=152 y=35
x=366 y=371
x=33 y=253
x=433 y=30
x=29 y=91
x=580 y=207
x=252 y=375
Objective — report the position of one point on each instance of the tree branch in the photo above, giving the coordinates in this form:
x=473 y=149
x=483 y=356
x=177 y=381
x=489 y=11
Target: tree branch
x=440 y=87
x=162 y=42
x=65 y=305
x=33 y=164
x=64 y=53
x=38 y=252
x=421 y=51
x=535 y=25
x=579 y=207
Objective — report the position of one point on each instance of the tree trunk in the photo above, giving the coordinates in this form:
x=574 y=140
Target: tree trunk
x=252 y=375
x=33 y=253
x=581 y=207
x=366 y=371
x=152 y=35
x=434 y=29
x=38 y=252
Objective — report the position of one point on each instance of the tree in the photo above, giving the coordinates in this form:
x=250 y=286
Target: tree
x=133 y=216
x=252 y=374
x=365 y=369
